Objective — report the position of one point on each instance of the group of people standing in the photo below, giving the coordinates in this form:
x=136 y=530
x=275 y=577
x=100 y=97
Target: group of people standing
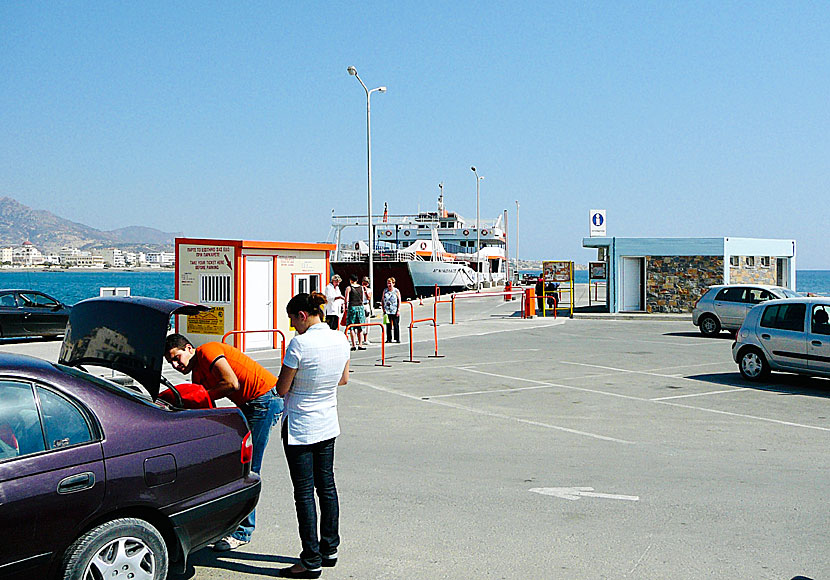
x=355 y=307
x=316 y=363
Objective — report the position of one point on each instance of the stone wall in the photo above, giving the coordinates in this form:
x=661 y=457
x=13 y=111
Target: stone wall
x=756 y=273
x=674 y=283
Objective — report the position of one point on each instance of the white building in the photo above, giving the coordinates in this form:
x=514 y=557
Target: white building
x=26 y=255
x=161 y=258
x=114 y=257
x=6 y=255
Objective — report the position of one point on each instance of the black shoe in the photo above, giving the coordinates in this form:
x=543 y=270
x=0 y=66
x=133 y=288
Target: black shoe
x=361 y=348
x=287 y=573
x=353 y=348
x=329 y=562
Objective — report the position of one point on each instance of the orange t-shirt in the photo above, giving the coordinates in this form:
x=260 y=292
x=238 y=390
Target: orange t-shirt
x=254 y=379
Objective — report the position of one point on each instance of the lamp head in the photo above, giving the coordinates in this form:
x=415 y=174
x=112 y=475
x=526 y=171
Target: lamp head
x=381 y=89
x=473 y=168
x=352 y=71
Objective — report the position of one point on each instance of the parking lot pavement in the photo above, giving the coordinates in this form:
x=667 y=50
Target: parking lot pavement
x=563 y=449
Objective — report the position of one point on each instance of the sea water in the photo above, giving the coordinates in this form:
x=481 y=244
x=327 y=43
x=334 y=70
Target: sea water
x=71 y=286
x=814 y=281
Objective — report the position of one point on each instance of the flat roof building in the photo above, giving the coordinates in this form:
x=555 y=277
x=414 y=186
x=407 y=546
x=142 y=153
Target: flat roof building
x=671 y=274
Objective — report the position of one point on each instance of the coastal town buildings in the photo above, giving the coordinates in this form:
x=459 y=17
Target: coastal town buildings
x=28 y=256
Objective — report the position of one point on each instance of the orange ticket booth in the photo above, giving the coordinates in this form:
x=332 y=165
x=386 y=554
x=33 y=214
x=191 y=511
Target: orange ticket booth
x=247 y=285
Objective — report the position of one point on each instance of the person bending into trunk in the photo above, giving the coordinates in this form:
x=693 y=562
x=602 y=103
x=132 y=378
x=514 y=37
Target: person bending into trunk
x=315 y=364
x=225 y=371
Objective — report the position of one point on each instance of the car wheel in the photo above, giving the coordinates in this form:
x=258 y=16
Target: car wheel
x=753 y=365
x=709 y=325
x=123 y=548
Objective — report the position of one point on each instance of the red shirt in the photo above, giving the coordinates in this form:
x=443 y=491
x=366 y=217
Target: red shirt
x=254 y=379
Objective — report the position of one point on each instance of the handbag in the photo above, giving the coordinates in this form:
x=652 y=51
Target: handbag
x=385 y=318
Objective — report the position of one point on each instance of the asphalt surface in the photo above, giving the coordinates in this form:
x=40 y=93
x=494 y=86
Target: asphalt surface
x=567 y=448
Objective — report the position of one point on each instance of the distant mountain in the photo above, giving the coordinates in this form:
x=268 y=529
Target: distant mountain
x=50 y=233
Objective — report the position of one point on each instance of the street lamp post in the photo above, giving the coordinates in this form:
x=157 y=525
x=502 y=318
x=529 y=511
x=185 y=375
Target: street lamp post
x=478 y=232
x=517 y=240
x=353 y=71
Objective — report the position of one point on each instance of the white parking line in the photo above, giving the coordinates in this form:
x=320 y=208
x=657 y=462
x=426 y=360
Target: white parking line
x=494 y=415
x=733 y=390
x=661 y=402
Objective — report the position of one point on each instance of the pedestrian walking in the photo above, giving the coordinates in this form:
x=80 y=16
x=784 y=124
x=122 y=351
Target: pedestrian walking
x=316 y=363
x=355 y=313
x=392 y=310
x=335 y=303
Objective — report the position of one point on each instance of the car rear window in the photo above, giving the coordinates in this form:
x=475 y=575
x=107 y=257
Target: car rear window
x=108 y=385
x=784 y=316
x=731 y=294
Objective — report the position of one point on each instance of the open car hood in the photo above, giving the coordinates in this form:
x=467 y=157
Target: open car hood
x=125 y=334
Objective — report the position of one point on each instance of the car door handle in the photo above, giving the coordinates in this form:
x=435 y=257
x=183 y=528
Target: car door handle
x=765 y=336
x=816 y=343
x=78 y=482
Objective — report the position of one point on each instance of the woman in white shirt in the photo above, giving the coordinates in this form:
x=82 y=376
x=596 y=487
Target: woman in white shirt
x=316 y=362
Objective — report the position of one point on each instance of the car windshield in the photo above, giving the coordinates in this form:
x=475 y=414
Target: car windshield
x=109 y=385
x=788 y=293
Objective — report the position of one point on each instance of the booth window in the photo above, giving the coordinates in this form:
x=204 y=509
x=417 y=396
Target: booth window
x=765 y=261
x=306 y=283
x=734 y=261
x=215 y=288
x=750 y=261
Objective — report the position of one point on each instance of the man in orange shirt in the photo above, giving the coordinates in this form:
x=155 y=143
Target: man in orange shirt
x=225 y=371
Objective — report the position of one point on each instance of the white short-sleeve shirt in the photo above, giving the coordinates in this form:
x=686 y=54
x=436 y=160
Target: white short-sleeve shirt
x=319 y=354
x=333 y=306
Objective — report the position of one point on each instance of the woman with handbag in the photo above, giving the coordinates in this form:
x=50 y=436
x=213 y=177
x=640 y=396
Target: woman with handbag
x=392 y=310
x=355 y=312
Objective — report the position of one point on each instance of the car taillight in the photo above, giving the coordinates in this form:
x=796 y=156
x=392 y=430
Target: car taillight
x=247 y=449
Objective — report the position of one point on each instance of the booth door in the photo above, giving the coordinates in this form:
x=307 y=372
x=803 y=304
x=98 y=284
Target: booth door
x=259 y=301
x=632 y=283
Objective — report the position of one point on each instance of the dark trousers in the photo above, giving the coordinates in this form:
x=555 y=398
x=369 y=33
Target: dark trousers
x=312 y=468
x=393 y=326
x=333 y=321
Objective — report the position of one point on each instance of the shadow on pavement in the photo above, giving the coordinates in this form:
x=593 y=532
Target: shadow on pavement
x=783 y=383
x=692 y=334
x=234 y=561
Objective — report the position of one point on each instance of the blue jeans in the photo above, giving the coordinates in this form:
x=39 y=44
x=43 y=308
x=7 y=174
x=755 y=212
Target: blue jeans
x=261 y=413
x=312 y=467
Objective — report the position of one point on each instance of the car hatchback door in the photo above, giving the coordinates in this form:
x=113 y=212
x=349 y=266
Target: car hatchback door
x=782 y=334
x=818 y=341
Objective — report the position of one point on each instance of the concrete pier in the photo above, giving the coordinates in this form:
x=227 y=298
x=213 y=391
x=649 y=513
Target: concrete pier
x=577 y=448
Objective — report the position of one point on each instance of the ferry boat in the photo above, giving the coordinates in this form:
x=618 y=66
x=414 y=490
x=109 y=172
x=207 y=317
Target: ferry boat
x=422 y=251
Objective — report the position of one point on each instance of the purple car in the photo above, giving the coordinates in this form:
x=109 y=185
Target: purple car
x=102 y=480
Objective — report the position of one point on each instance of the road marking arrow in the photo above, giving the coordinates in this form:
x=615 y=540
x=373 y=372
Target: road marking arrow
x=574 y=493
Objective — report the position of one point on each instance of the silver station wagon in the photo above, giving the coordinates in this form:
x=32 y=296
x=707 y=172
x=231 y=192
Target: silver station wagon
x=791 y=335
x=725 y=307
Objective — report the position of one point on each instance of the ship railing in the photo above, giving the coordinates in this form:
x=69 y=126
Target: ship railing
x=380 y=256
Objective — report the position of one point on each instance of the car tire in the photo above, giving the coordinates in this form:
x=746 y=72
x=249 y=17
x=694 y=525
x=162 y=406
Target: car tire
x=130 y=547
x=753 y=365
x=709 y=325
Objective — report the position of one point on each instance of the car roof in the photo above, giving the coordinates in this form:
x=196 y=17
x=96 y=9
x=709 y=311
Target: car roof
x=764 y=286
x=801 y=299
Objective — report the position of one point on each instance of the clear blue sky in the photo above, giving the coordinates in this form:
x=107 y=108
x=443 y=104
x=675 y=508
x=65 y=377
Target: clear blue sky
x=239 y=120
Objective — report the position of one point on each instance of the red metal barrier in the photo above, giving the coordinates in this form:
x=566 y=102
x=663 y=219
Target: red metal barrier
x=484 y=294
x=274 y=330
x=382 y=339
